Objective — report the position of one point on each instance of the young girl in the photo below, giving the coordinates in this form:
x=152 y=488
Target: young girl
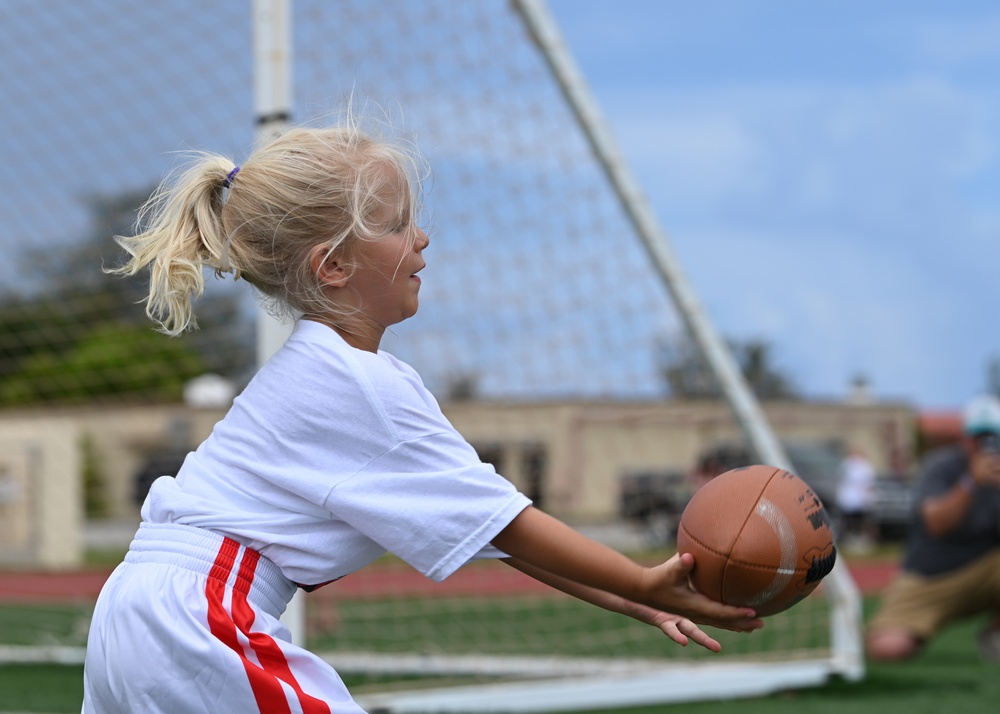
x=334 y=453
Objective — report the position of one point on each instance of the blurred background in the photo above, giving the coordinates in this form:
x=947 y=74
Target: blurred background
x=826 y=174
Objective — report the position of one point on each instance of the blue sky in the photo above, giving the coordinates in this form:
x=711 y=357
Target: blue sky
x=828 y=173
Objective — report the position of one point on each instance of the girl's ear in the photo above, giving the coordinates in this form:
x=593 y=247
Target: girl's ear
x=329 y=268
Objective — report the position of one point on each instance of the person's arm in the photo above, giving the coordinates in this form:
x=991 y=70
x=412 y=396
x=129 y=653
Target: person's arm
x=943 y=513
x=680 y=629
x=551 y=546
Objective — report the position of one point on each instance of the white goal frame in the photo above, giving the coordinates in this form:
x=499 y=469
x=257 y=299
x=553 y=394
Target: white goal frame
x=565 y=686
x=523 y=683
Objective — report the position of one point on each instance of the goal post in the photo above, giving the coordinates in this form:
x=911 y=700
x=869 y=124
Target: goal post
x=549 y=285
x=847 y=653
x=647 y=683
x=272 y=83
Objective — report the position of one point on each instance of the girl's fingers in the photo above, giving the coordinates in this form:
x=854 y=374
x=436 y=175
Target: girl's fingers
x=676 y=595
x=682 y=631
x=702 y=638
x=703 y=608
x=671 y=630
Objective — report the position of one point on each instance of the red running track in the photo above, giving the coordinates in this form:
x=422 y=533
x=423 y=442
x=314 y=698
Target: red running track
x=373 y=581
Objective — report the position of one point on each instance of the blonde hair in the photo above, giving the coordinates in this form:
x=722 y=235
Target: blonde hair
x=306 y=188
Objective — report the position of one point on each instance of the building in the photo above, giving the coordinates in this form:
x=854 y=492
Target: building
x=567 y=456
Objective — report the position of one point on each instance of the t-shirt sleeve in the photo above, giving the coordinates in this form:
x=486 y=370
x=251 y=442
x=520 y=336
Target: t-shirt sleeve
x=431 y=502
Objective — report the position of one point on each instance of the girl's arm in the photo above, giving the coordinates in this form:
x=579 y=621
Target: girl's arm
x=677 y=628
x=551 y=546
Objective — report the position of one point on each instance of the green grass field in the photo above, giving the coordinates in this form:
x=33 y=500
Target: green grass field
x=948 y=677
x=538 y=626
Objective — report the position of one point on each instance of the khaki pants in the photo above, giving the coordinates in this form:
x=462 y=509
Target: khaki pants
x=923 y=605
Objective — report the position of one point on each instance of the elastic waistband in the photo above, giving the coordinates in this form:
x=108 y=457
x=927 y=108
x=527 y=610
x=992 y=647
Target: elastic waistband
x=216 y=556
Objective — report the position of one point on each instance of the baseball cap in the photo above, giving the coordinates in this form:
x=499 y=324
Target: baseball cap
x=982 y=415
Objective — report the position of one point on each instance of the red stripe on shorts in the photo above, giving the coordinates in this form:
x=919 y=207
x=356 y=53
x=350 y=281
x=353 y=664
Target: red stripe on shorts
x=268 y=652
x=267 y=690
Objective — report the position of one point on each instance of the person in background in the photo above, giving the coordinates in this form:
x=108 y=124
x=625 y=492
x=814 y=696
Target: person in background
x=856 y=499
x=951 y=567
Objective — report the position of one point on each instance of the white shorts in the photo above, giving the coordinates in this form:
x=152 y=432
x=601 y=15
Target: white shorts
x=189 y=623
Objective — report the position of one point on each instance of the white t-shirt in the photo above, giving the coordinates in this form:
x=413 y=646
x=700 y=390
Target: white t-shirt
x=332 y=456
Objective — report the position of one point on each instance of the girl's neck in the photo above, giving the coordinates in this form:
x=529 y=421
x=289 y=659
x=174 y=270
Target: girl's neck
x=359 y=334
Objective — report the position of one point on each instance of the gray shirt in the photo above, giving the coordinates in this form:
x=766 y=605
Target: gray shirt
x=977 y=533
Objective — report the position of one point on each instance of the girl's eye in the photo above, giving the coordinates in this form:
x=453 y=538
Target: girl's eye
x=404 y=221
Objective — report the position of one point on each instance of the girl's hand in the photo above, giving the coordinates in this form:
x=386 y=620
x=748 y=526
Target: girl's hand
x=667 y=587
x=554 y=553
x=680 y=629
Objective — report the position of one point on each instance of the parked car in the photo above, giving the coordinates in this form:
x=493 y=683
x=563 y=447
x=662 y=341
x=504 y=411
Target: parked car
x=656 y=500
x=895 y=503
x=817 y=464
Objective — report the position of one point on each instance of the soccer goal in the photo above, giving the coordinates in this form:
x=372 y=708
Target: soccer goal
x=569 y=277
x=550 y=284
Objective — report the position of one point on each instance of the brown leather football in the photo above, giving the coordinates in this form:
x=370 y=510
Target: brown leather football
x=760 y=538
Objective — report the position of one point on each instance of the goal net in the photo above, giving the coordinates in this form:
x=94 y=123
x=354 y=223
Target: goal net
x=547 y=297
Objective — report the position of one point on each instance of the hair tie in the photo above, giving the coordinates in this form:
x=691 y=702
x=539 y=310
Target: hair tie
x=229 y=177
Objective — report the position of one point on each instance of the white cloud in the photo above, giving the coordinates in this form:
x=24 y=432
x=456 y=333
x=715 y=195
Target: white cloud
x=832 y=309
x=953 y=41
x=843 y=207
x=699 y=155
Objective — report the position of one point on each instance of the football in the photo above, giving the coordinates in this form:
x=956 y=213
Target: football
x=760 y=538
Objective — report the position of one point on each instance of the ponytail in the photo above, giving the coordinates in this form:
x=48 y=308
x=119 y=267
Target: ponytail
x=181 y=231
x=306 y=188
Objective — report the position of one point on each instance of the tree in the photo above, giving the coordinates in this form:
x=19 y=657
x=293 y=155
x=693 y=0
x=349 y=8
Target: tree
x=685 y=372
x=113 y=360
x=462 y=387
x=763 y=376
x=76 y=333
x=687 y=375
